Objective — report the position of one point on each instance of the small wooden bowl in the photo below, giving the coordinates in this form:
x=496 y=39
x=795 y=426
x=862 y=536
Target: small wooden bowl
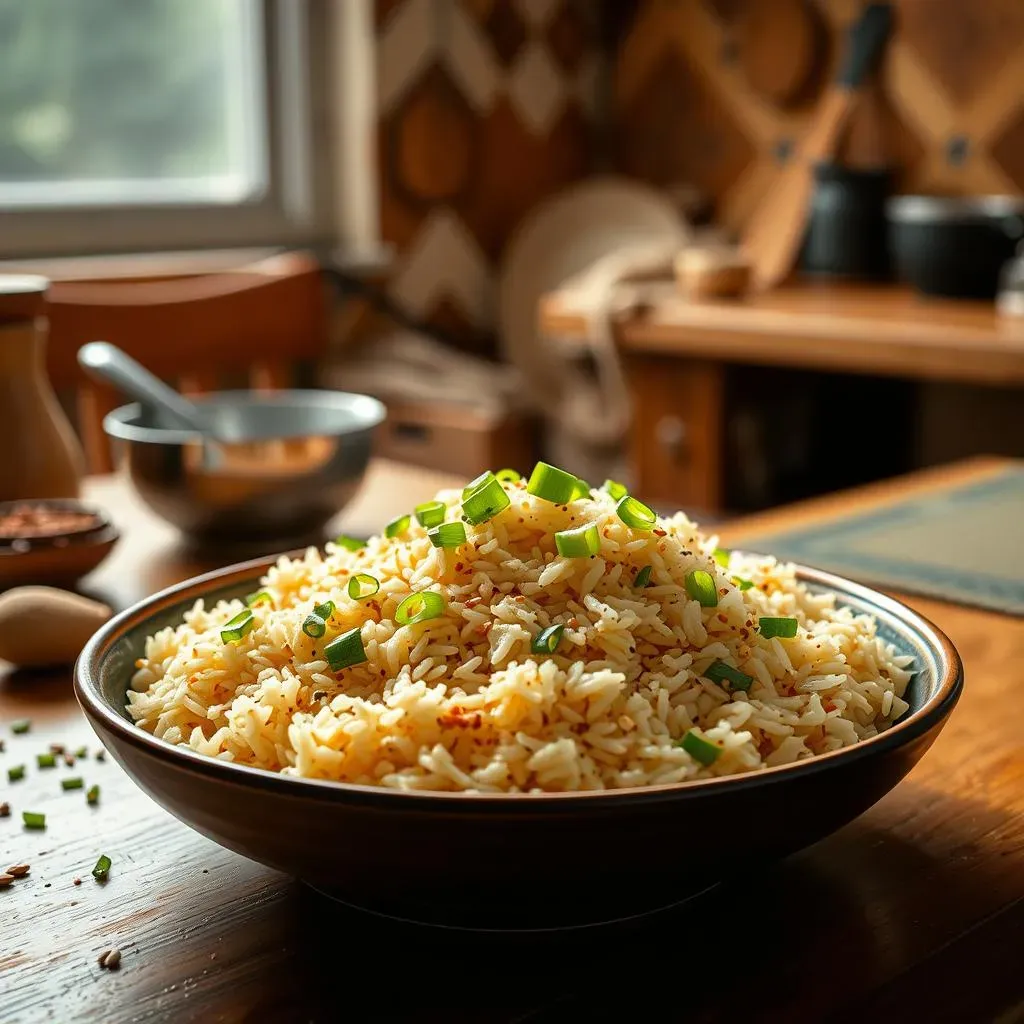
x=712 y=273
x=59 y=557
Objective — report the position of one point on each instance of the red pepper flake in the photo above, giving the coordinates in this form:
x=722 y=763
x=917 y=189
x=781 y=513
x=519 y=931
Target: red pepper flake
x=659 y=533
x=459 y=566
x=722 y=618
x=573 y=623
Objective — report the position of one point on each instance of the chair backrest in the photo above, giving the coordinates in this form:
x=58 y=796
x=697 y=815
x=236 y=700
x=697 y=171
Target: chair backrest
x=257 y=321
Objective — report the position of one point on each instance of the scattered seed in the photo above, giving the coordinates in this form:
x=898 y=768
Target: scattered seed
x=77 y=881
x=5 y=810
x=6 y=879
x=110 y=959
x=56 y=748
x=19 y=870
x=319 y=695
x=21 y=726
x=101 y=755
x=69 y=759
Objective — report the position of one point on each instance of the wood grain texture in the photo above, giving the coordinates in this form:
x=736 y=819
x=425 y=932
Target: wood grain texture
x=920 y=894
x=850 y=329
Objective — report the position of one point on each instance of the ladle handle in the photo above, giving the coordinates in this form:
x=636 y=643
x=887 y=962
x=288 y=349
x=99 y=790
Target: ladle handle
x=111 y=365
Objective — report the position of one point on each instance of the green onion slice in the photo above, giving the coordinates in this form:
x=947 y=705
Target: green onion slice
x=783 y=626
x=699 y=748
x=75 y=783
x=552 y=484
x=720 y=672
x=635 y=514
x=325 y=610
x=615 y=489
x=547 y=640
x=314 y=626
x=476 y=482
x=258 y=597
x=362 y=586
x=82 y=752
x=430 y=513
x=15 y=772
x=582 y=542
x=643 y=577
x=397 y=526
x=507 y=476
x=742 y=584
x=21 y=726
x=46 y=760
x=721 y=556
x=485 y=501
x=582 y=489
x=700 y=585
x=92 y=796
x=447 y=535
x=418 y=607
x=350 y=543
x=102 y=869
x=346 y=650
x=234 y=629
x=33 y=819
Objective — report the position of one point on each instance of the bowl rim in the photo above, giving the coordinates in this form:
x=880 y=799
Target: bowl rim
x=914 y=725
x=370 y=411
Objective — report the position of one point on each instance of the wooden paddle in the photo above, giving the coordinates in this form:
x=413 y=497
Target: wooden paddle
x=773 y=236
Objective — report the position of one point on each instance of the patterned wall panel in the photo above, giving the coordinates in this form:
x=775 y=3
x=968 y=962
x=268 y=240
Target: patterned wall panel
x=950 y=99
x=485 y=108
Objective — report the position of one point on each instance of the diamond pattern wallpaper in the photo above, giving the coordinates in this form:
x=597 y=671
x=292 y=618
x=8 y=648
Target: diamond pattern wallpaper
x=485 y=108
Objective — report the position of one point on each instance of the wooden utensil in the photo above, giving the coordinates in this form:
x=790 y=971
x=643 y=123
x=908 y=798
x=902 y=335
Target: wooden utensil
x=773 y=236
x=777 y=47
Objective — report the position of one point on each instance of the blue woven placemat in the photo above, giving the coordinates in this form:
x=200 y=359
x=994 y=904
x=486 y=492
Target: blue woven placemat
x=964 y=544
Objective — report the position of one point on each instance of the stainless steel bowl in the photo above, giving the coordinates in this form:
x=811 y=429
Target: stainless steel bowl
x=281 y=466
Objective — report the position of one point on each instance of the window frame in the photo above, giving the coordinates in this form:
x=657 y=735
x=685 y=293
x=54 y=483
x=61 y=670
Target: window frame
x=295 y=208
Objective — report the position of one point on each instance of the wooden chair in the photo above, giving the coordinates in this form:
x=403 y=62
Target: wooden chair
x=258 y=321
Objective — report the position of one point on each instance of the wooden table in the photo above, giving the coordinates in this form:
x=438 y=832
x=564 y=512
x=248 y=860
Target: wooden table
x=914 y=912
x=675 y=352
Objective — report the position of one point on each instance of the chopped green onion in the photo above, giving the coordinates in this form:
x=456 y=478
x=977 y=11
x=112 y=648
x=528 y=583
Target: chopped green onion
x=325 y=610
x=721 y=556
x=234 y=629
x=643 y=577
x=476 y=482
x=32 y=819
x=552 y=484
x=699 y=748
x=615 y=489
x=92 y=796
x=418 y=607
x=346 y=650
x=485 y=501
x=742 y=584
x=46 y=760
x=700 y=585
x=507 y=476
x=21 y=726
x=547 y=640
x=582 y=489
x=75 y=783
x=363 y=585
x=258 y=597
x=430 y=513
x=447 y=535
x=397 y=526
x=350 y=543
x=635 y=514
x=784 y=627
x=582 y=542
x=82 y=752
x=720 y=672
x=15 y=773
x=314 y=626
x=102 y=869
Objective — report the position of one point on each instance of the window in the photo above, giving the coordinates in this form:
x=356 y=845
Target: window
x=159 y=124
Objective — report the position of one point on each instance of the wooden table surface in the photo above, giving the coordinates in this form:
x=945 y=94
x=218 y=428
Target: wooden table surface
x=874 y=329
x=914 y=912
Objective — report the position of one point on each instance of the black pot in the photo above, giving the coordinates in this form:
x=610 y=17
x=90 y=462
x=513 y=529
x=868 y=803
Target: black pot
x=846 y=233
x=954 y=246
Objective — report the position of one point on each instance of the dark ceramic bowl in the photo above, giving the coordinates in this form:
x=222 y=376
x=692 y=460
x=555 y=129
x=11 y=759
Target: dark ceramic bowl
x=516 y=860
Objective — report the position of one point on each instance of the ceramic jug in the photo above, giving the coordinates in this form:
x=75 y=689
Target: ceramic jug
x=39 y=454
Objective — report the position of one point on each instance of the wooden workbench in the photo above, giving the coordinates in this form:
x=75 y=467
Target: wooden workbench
x=675 y=352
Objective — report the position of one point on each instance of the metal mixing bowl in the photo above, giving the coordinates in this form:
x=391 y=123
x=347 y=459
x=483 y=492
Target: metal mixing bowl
x=281 y=465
